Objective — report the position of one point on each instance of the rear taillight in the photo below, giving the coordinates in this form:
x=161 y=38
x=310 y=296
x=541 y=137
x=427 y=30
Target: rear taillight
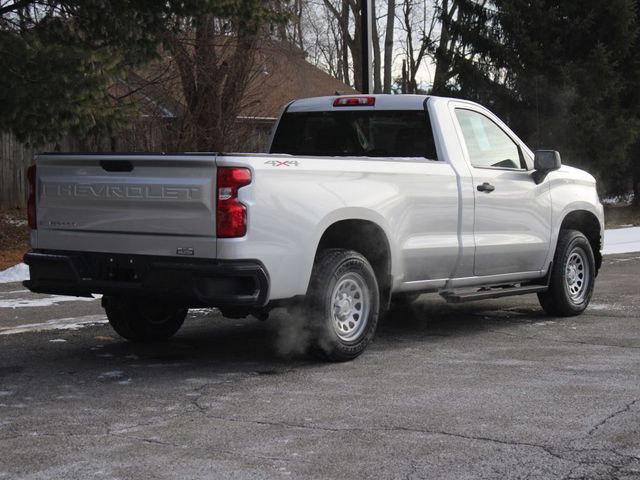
x=31 y=200
x=231 y=215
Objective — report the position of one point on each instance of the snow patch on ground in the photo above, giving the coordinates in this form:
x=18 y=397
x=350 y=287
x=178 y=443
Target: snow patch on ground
x=42 y=301
x=603 y=307
x=17 y=273
x=57 y=324
x=625 y=199
x=621 y=240
x=14 y=221
x=599 y=306
x=202 y=312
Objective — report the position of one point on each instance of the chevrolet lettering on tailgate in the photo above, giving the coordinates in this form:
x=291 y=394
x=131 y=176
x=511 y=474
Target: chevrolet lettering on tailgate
x=101 y=190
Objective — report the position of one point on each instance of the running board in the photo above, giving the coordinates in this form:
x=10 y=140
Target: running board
x=485 y=293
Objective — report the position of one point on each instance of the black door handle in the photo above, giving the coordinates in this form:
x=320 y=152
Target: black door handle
x=486 y=187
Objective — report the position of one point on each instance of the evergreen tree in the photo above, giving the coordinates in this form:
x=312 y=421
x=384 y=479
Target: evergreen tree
x=564 y=73
x=60 y=57
x=571 y=70
x=467 y=53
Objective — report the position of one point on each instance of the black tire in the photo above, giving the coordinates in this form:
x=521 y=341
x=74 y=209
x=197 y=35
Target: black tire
x=572 y=276
x=342 y=305
x=143 y=320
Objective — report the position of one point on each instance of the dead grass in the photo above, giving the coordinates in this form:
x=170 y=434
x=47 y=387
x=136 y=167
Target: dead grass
x=14 y=237
x=9 y=258
x=617 y=216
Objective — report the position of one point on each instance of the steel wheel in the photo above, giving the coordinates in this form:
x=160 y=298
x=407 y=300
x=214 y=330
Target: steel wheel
x=342 y=305
x=577 y=275
x=572 y=276
x=351 y=300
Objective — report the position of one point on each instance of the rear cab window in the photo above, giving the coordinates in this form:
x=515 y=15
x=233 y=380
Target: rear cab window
x=367 y=133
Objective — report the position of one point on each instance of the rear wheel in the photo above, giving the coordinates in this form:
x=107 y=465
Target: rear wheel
x=143 y=320
x=342 y=305
x=572 y=277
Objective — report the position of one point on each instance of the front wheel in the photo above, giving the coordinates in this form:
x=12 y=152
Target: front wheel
x=143 y=320
x=342 y=305
x=572 y=276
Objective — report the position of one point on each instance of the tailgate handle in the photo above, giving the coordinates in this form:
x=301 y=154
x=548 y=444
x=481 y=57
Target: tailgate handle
x=116 y=165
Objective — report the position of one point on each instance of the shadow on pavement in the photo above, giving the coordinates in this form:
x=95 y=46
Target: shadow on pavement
x=209 y=344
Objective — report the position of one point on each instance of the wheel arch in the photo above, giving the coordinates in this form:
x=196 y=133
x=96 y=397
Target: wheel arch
x=588 y=224
x=369 y=239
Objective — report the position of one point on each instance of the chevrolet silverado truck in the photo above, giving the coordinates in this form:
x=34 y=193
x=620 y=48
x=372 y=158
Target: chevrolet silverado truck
x=361 y=200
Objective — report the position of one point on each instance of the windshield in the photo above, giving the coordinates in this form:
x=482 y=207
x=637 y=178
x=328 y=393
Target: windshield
x=371 y=133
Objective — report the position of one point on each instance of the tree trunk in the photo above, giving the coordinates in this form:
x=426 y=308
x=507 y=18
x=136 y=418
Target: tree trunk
x=351 y=45
x=214 y=79
x=209 y=77
x=443 y=53
x=345 y=43
x=403 y=88
x=388 y=45
x=408 y=70
x=375 y=37
x=636 y=185
x=298 y=25
x=355 y=43
x=344 y=50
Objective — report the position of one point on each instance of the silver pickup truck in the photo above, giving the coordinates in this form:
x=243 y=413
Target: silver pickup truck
x=361 y=200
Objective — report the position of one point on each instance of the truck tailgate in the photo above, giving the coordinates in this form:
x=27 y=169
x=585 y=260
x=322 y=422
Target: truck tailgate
x=171 y=195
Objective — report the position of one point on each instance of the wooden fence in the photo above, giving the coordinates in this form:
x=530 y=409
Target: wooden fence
x=149 y=136
x=15 y=158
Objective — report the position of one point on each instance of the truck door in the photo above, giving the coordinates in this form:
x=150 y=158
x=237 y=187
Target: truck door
x=512 y=226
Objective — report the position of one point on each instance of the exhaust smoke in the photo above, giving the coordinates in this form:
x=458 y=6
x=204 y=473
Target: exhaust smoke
x=293 y=335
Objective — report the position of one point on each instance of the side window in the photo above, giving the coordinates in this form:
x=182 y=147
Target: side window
x=487 y=144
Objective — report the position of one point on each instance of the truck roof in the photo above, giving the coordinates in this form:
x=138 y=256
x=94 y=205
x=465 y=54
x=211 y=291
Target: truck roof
x=380 y=102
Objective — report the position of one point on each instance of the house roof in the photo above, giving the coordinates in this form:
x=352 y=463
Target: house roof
x=280 y=74
x=285 y=75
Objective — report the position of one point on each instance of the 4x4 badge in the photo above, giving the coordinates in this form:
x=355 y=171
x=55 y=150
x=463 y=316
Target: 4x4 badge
x=282 y=163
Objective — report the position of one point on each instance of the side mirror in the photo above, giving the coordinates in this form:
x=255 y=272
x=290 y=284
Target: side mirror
x=545 y=161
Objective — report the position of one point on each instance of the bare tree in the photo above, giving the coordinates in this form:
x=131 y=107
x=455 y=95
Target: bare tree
x=333 y=39
x=375 y=40
x=215 y=59
x=347 y=14
x=290 y=29
x=322 y=41
x=388 y=45
x=419 y=26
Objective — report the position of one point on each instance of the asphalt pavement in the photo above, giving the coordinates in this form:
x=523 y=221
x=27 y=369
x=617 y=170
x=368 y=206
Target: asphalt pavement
x=490 y=390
